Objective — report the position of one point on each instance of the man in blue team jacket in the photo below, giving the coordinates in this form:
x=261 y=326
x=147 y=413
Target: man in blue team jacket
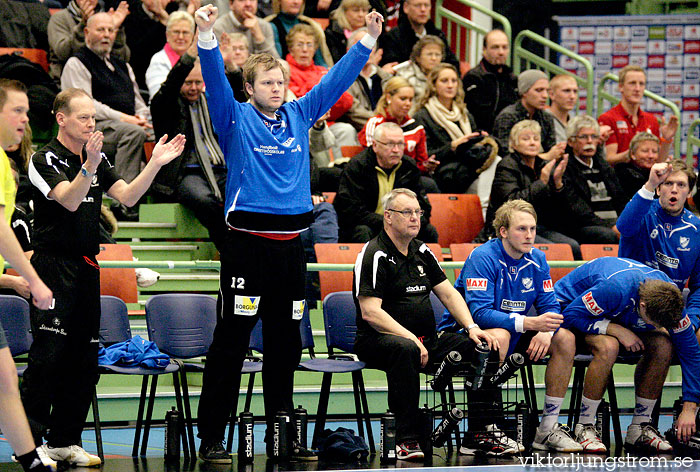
x=612 y=301
x=265 y=143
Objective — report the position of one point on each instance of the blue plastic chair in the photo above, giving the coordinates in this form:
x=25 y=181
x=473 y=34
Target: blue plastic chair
x=14 y=316
x=339 y=320
x=115 y=328
x=182 y=326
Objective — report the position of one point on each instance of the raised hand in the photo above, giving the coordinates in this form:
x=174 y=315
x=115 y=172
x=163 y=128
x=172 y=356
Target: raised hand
x=374 y=21
x=657 y=175
x=119 y=14
x=205 y=17
x=164 y=152
x=668 y=129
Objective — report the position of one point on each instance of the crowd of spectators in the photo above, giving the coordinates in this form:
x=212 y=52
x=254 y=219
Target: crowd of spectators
x=487 y=132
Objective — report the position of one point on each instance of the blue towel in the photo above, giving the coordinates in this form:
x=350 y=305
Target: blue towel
x=132 y=353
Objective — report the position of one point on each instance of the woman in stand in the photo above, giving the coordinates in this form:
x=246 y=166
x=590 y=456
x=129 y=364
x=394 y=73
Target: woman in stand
x=394 y=106
x=451 y=134
x=427 y=53
x=345 y=20
x=179 y=32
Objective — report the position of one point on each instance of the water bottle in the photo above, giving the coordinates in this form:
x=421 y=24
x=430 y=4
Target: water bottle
x=444 y=373
x=246 y=443
x=280 y=436
x=387 y=441
x=602 y=422
x=448 y=423
x=479 y=364
x=172 y=435
x=426 y=436
x=510 y=366
x=522 y=415
x=301 y=423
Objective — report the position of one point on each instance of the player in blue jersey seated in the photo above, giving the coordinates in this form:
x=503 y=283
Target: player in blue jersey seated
x=501 y=281
x=613 y=301
x=662 y=233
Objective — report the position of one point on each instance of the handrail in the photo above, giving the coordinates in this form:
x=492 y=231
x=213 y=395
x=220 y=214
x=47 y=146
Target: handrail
x=603 y=95
x=312 y=267
x=520 y=53
x=692 y=140
x=470 y=27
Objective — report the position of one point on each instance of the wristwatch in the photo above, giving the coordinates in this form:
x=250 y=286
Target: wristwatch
x=85 y=172
x=473 y=325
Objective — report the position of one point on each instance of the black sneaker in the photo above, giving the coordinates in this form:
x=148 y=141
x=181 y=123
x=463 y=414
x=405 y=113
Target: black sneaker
x=486 y=442
x=299 y=453
x=214 y=452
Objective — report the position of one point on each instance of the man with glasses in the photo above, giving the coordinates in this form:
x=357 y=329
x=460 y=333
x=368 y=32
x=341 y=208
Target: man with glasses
x=593 y=195
x=394 y=275
x=368 y=177
x=413 y=25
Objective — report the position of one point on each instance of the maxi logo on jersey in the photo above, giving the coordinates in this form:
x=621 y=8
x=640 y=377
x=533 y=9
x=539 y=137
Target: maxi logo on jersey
x=477 y=284
x=682 y=325
x=591 y=305
x=547 y=285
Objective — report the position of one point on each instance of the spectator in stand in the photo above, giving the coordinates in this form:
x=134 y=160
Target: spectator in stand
x=242 y=19
x=368 y=177
x=644 y=153
x=240 y=49
x=491 y=85
x=367 y=88
x=66 y=33
x=288 y=14
x=532 y=87
x=593 y=194
x=413 y=25
x=427 y=53
x=178 y=35
x=325 y=8
x=524 y=175
x=122 y=114
x=304 y=75
x=345 y=20
x=197 y=178
x=563 y=94
x=449 y=130
x=394 y=106
x=626 y=119
x=145 y=32
x=19 y=154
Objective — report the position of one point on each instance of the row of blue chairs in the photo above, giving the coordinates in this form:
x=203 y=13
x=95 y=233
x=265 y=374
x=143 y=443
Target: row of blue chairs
x=182 y=326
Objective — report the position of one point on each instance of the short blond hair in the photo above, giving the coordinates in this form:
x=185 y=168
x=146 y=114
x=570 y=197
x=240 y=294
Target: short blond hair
x=630 y=68
x=264 y=60
x=301 y=28
x=391 y=88
x=339 y=13
x=505 y=213
x=519 y=128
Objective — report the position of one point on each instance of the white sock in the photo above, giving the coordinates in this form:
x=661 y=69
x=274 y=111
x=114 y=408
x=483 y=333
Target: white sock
x=643 y=408
x=588 y=410
x=550 y=413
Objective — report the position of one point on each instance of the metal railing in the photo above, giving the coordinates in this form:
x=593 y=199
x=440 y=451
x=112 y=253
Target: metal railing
x=603 y=95
x=693 y=140
x=312 y=267
x=532 y=60
x=469 y=33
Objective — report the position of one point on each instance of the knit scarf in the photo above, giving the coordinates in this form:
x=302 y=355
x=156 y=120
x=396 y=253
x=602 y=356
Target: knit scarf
x=453 y=121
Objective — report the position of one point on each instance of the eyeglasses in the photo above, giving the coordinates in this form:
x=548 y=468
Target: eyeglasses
x=400 y=145
x=180 y=33
x=586 y=137
x=304 y=45
x=408 y=213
